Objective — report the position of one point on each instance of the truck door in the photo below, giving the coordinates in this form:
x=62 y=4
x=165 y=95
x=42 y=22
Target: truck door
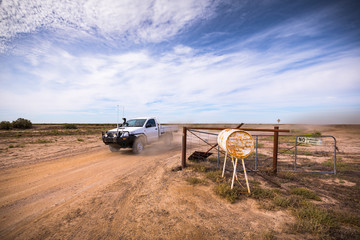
x=151 y=130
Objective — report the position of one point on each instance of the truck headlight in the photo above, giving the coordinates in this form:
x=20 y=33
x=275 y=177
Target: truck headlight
x=125 y=134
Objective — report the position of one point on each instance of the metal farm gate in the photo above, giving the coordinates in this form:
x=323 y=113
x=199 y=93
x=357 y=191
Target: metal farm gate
x=285 y=153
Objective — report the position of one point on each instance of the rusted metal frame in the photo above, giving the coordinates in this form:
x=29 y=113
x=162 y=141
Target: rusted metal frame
x=295 y=154
x=200 y=138
x=183 y=149
x=256 y=154
x=206 y=141
x=211 y=148
x=276 y=131
x=245 y=129
x=275 y=149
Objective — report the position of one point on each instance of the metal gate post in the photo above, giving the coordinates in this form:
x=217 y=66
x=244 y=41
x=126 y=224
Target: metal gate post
x=275 y=150
x=256 y=154
x=334 y=155
x=183 y=149
x=218 y=157
x=295 y=152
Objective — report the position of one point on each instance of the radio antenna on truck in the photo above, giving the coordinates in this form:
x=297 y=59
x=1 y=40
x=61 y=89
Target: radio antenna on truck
x=117 y=120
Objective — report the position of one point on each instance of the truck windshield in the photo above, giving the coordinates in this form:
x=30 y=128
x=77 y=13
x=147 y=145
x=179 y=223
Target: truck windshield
x=135 y=123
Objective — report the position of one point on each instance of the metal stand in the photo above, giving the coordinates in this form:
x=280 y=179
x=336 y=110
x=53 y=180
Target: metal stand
x=223 y=173
x=235 y=175
x=246 y=179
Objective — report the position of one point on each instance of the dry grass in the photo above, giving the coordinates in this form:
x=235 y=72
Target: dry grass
x=304 y=192
x=315 y=219
x=195 y=181
x=224 y=190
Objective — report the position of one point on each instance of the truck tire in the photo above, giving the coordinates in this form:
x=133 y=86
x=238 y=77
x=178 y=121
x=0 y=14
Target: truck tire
x=138 y=145
x=114 y=149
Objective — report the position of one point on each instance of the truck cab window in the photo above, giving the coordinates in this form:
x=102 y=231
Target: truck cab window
x=135 y=123
x=151 y=123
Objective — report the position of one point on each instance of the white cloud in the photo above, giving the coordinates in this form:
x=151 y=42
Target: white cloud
x=126 y=20
x=183 y=85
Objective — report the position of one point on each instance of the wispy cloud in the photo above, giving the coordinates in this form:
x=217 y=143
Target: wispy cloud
x=181 y=82
x=54 y=62
x=125 y=21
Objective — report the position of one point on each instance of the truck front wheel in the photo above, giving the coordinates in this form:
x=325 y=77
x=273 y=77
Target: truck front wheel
x=138 y=145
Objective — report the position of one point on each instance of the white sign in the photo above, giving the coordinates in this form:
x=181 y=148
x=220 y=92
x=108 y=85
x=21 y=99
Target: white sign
x=309 y=140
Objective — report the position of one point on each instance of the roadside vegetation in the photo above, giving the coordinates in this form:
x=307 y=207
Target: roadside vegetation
x=303 y=195
x=44 y=130
x=43 y=134
x=20 y=123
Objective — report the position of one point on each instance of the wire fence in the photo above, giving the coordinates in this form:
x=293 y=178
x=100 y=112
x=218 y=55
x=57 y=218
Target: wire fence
x=296 y=153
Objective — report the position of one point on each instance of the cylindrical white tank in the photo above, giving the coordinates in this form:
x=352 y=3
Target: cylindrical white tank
x=238 y=143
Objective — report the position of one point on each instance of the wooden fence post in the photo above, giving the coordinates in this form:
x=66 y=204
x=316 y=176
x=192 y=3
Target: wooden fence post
x=183 y=149
x=275 y=150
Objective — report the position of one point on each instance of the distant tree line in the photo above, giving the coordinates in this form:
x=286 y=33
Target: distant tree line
x=20 y=123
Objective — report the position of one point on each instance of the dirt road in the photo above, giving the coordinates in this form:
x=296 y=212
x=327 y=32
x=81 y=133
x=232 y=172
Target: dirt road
x=105 y=195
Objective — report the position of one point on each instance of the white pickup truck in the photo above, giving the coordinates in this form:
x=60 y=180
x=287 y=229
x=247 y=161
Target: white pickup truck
x=136 y=133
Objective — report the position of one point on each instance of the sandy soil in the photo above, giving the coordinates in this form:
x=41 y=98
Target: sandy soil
x=92 y=193
x=71 y=189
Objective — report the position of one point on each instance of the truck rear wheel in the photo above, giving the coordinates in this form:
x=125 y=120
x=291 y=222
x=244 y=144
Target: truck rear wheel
x=138 y=145
x=114 y=149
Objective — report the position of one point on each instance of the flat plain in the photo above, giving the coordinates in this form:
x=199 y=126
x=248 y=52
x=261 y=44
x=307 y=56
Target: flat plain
x=58 y=183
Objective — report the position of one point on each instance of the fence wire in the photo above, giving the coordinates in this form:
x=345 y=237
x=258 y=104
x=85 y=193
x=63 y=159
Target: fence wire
x=294 y=153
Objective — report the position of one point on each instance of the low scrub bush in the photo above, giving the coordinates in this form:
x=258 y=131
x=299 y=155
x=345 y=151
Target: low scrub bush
x=22 y=123
x=70 y=126
x=5 y=125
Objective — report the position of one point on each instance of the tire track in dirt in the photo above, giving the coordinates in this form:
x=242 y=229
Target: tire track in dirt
x=104 y=195
x=38 y=191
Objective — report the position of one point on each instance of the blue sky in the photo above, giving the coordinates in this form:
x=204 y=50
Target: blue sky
x=183 y=61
